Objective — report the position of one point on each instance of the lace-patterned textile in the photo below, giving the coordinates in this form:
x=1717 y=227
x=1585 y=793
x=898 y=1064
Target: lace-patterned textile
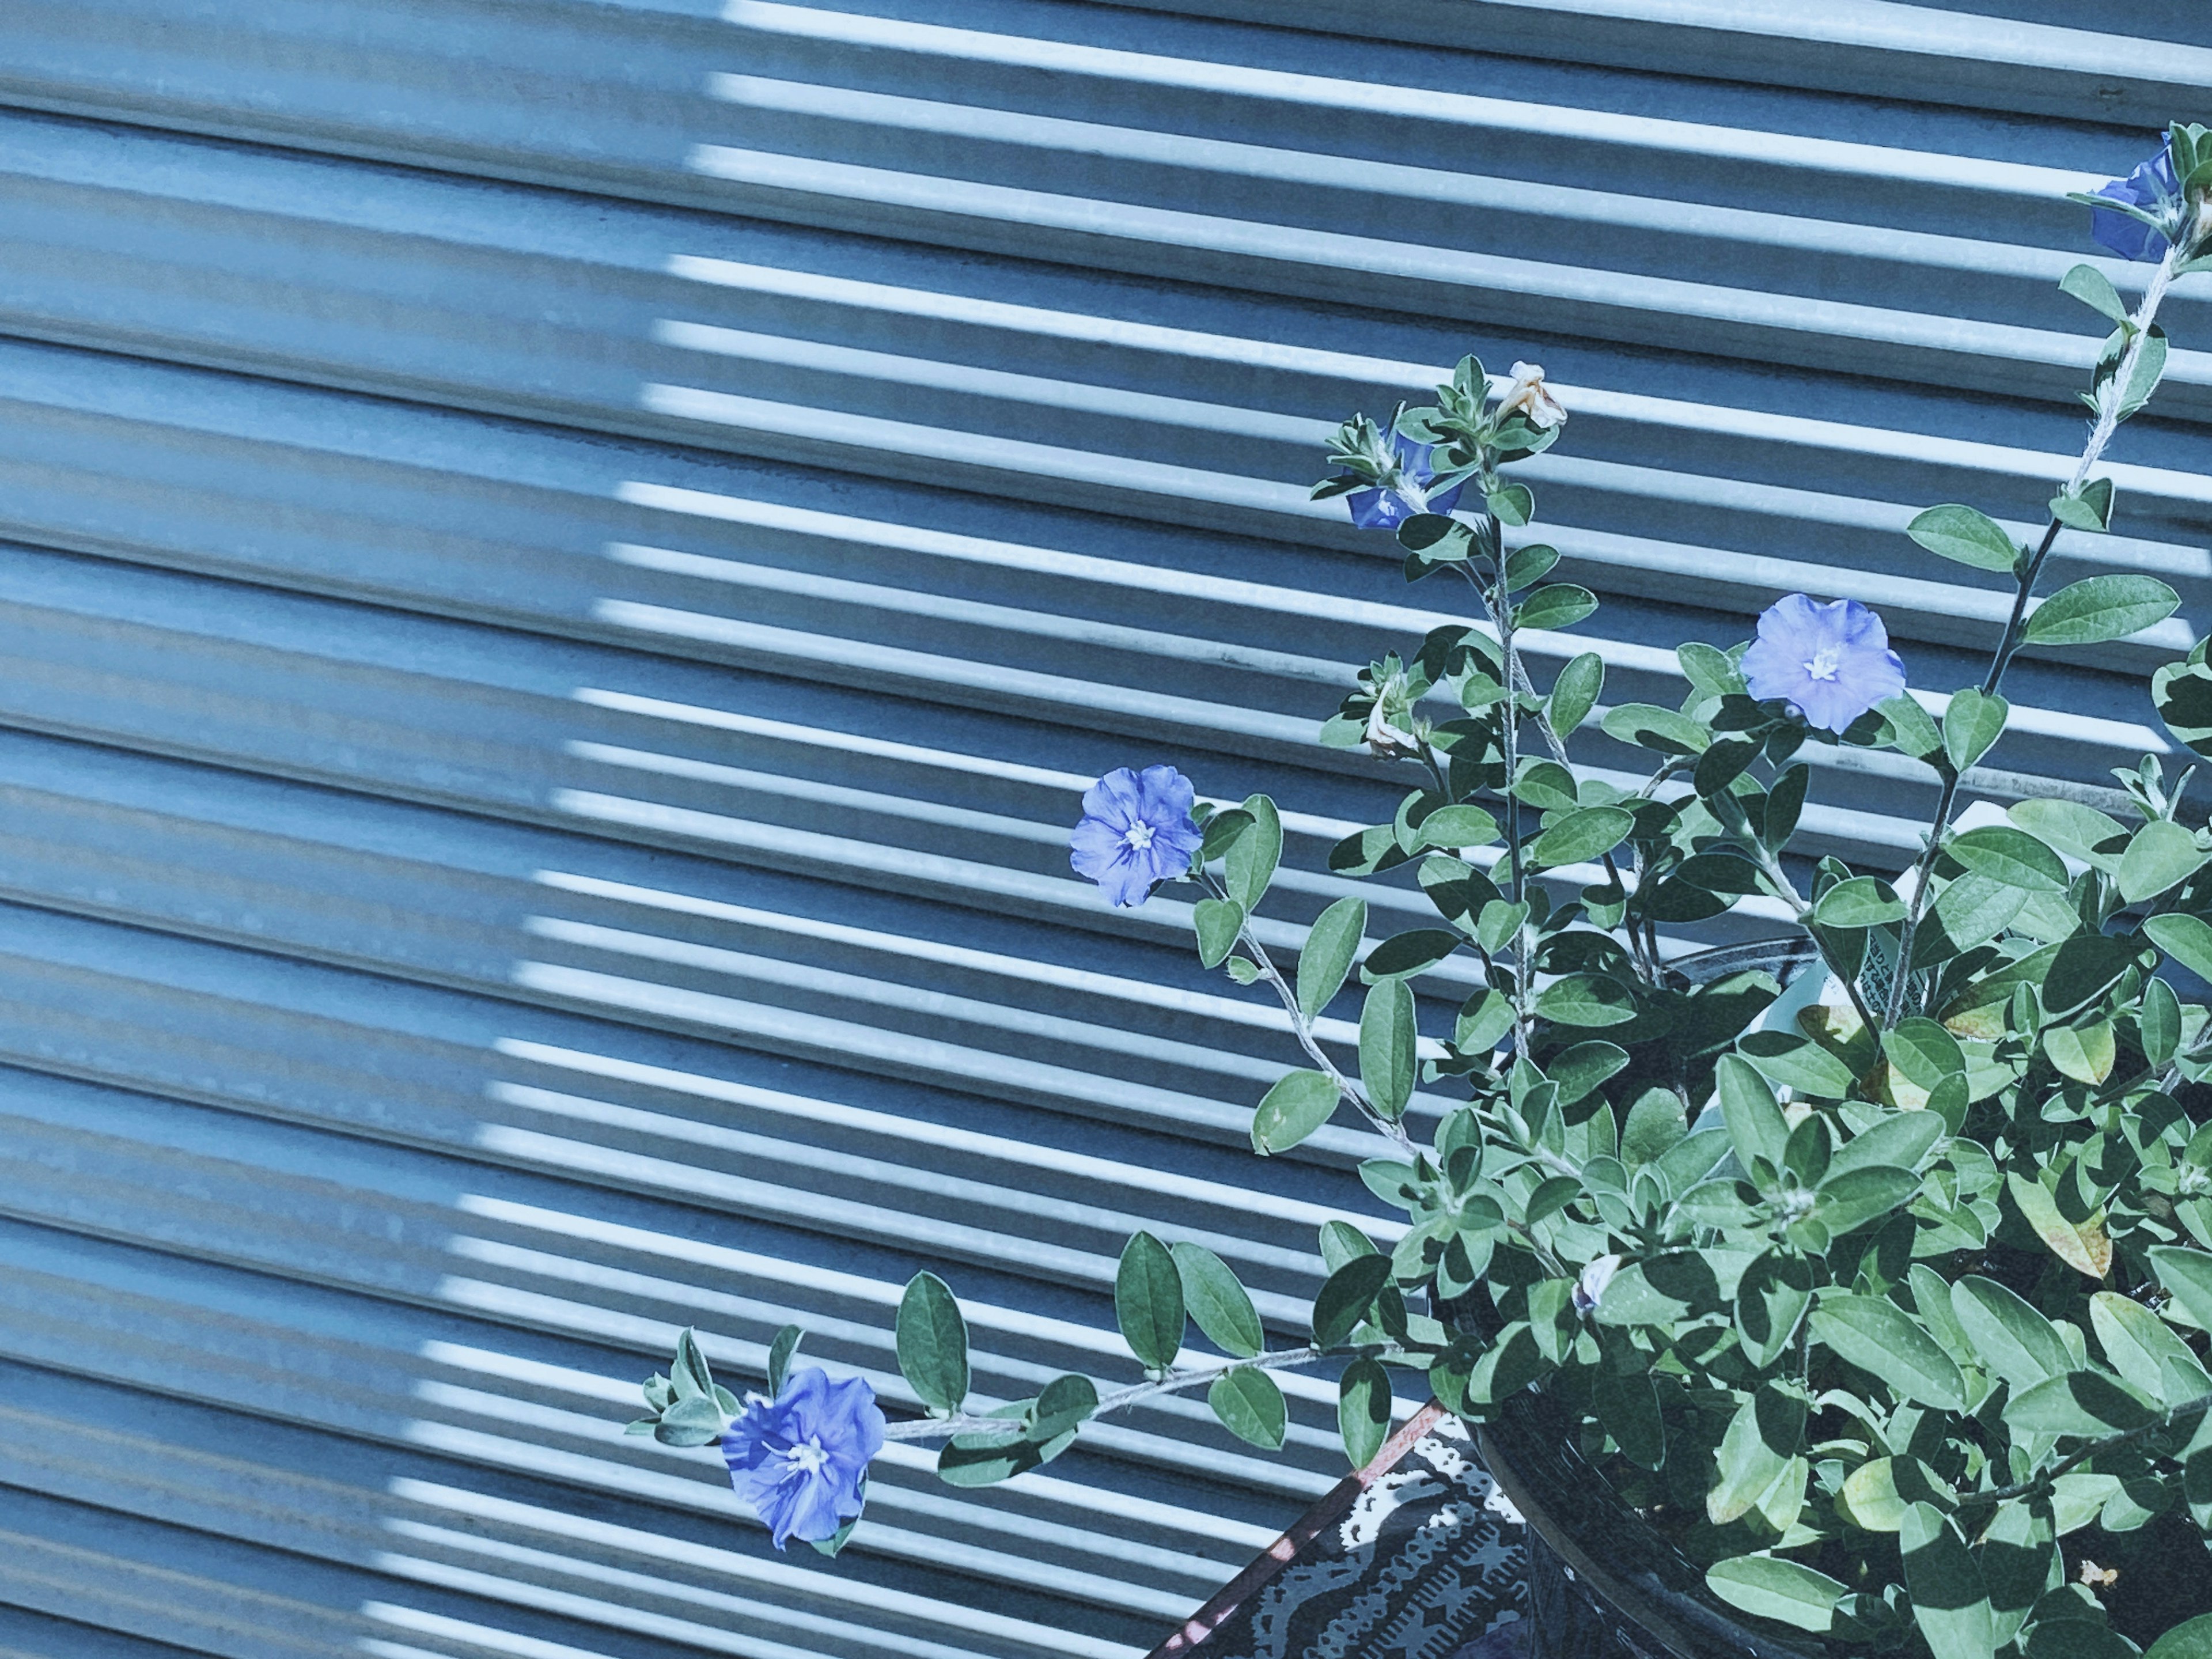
x=1419 y=1557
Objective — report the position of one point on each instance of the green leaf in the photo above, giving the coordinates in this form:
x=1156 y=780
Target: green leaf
x=2188 y=1274
x=779 y=1357
x=1403 y=955
x=2161 y=855
x=2081 y=1403
x=1785 y=801
x=2143 y=1349
x=1649 y=726
x=2191 y=1640
x=1965 y=536
x=2011 y=856
x=695 y=1420
x=1529 y=564
x=1924 y=1052
x=1513 y=503
x=1754 y=1122
x=1949 y=1601
x=2013 y=1340
x=1331 y=943
x=2100 y=608
x=1848 y=1201
x=1250 y=864
x=1899 y=1140
x=1216 y=1301
x=1769 y=1586
x=2094 y=289
x=1363 y=1410
x=1222 y=830
x=2090 y=507
x=1250 y=1407
x=1877 y=1494
x=932 y=1343
x=1457 y=827
x=1062 y=1406
x=1346 y=1296
x=1771 y=1299
x=2084 y=1053
x=1913 y=731
x=1386 y=1046
x=2158 y=1022
x=1627 y=1406
x=2187 y=939
x=1666 y=1289
x=1217 y=923
x=1797 y=1063
x=1340 y=1241
x=2070 y=828
x=976 y=1461
x=1860 y=902
x=1877 y=1336
x=1581 y=1068
x=1576 y=692
x=2084 y=969
x=1586 y=1000
x=1560 y=606
x=2082 y=1246
x=1581 y=836
x=691 y=1374
x=1148 y=1302
x=1300 y=1103
x=1761 y=1439
x=1972 y=726
x=1486 y=1017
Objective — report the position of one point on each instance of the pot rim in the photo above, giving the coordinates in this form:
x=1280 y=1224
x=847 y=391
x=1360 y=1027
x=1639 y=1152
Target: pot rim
x=1528 y=1449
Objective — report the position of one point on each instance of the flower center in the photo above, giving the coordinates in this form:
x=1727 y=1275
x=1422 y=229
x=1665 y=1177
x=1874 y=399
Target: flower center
x=1138 y=836
x=1823 y=663
x=804 y=1459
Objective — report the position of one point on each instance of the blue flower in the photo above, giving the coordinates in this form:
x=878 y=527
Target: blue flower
x=2152 y=187
x=1404 y=491
x=1829 y=662
x=801 y=1459
x=1136 y=832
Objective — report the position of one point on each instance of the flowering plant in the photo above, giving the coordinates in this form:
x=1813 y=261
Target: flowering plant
x=1887 y=1305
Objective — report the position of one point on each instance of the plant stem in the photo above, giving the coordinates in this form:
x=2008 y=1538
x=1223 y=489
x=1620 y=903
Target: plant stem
x=2042 y=1483
x=930 y=1428
x=1786 y=890
x=2015 y=630
x=1304 y=1028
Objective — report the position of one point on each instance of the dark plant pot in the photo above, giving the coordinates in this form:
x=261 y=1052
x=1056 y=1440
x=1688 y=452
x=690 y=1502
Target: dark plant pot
x=1602 y=1584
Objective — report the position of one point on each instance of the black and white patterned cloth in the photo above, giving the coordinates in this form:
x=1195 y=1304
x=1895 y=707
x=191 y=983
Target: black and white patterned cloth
x=1427 y=1562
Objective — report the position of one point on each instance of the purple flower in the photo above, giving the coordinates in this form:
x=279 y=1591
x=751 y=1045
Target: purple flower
x=1829 y=662
x=1136 y=832
x=1405 y=491
x=801 y=1459
x=2152 y=187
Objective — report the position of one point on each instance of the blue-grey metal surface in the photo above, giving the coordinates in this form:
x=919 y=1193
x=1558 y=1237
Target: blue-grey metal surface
x=562 y=565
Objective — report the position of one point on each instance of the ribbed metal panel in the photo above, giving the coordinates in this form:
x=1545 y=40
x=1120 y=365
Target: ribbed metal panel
x=561 y=566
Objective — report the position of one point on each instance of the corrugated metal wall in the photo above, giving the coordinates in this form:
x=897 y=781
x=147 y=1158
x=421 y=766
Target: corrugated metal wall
x=565 y=564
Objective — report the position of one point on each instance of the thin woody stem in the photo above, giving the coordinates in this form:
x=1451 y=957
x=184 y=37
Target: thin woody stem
x=2043 y=1482
x=1303 y=1028
x=930 y=1428
x=2015 y=630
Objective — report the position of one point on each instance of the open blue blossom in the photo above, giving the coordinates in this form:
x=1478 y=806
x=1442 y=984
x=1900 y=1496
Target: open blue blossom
x=801 y=1459
x=2152 y=187
x=1136 y=832
x=1829 y=662
x=1405 y=492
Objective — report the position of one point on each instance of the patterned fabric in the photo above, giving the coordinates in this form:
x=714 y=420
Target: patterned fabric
x=1427 y=1562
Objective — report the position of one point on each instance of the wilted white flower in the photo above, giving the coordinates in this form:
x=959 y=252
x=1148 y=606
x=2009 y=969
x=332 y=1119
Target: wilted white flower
x=1533 y=398
x=1591 y=1286
x=1387 y=740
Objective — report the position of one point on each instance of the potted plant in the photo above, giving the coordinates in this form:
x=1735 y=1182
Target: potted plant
x=1882 y=1328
